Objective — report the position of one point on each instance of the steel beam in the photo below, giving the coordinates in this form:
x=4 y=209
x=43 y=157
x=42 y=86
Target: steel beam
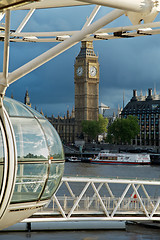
x=128 y=5
x=78 y=199
x=92 y=16
x=25 y=20
x=100 y=199
x=6 y=46
x=55 y=51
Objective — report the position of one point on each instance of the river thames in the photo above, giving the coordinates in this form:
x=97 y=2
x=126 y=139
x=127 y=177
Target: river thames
x=97 y=170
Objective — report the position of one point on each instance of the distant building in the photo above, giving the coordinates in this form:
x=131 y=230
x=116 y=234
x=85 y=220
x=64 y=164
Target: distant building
x=86 y=80
x=147 y=109
x=112 y=114
x=65 y=126
x=103 y=108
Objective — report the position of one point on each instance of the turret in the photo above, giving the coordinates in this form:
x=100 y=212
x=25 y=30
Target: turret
x=27 y=99
x=134 y=98
x=150 y=97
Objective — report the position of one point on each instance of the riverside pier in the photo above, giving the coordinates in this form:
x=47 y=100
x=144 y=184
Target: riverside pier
x=96 y=205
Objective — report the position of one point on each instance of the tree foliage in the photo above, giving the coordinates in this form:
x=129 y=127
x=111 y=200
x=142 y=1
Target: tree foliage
x=102 y=123
x=94 y=128
x=123 y=130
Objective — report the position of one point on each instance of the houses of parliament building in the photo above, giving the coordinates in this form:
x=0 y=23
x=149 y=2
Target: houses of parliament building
x=86 y=82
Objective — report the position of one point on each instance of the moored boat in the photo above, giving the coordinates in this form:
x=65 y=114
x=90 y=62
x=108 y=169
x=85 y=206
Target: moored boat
x=121 y=158
x=73 y=159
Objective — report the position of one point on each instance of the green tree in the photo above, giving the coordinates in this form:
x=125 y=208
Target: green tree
x=123 y=130
x=102 y=123
x=94 y=128
x=90 y=128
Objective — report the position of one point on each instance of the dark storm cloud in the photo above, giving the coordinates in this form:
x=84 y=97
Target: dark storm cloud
x=125 y=64
x=128 y=64
x=50 y=84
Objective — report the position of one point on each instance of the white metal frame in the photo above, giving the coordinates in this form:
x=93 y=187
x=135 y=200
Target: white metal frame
x=10 y=161
x=112 y=208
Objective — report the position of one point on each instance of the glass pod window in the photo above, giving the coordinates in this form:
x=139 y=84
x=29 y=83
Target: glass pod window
x=32 y=154
x=53 y=141
x=56 y=156
x=39 y=154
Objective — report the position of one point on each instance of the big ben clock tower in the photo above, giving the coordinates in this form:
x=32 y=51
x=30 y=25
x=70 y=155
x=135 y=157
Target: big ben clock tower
x=86 y=79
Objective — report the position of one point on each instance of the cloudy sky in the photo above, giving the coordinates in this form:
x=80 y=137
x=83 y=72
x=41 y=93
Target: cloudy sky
x=125 y=64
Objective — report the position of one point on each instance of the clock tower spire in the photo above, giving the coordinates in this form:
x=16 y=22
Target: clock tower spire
x=86 y=79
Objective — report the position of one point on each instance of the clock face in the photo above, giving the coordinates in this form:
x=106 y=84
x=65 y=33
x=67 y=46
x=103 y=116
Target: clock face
x=92 y=71
x=79 y=71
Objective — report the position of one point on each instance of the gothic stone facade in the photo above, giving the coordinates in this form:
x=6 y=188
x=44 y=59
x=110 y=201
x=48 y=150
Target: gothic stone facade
x=86 y=80
x=65 y=126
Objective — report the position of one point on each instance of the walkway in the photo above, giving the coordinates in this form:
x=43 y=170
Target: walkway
x=82 y=198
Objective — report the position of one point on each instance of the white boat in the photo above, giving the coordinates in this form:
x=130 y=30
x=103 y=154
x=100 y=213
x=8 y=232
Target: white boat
x=73 y=159
x=121 y=158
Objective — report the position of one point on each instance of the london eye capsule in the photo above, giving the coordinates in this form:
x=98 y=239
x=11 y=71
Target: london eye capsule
x=31 y=161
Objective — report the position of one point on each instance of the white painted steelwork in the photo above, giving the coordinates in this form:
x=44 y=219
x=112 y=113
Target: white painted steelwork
x=11 y=4
x=134 y=6
x=144 y=10
x=9 y=164
x=69 y=42
x=129 y=5
x=89 y=199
